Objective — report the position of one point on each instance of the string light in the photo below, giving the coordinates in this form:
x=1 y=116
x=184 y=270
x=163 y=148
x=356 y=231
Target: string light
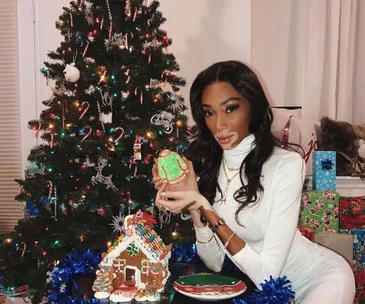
x=109 y=243
x=50 y=126
x=179 y=123
x=8 y=240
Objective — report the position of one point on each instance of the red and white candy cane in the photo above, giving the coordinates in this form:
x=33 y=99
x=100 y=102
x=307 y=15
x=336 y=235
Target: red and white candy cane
x=38 y=129
x=127 y=74
x=128 y=7
x=135 y=15
x=88 y=134
x=126 y=41
x=149 y=20
x=135 y=91
x=86 y=47
x=50 y=185
x=102 y=23
x=165 y=72
x=141 y=97
x=149 y=57
x=80 y=4
x=120 y=135
x=71 y=21
x=51 y=141
x=23 y=249
x=85 y=110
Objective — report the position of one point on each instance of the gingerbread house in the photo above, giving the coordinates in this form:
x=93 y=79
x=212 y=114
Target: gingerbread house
x=136 y=266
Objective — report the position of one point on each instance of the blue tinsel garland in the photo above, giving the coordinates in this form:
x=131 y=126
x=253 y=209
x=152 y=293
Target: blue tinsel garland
x=184 y=254
x=78 y=261
x=274 y=291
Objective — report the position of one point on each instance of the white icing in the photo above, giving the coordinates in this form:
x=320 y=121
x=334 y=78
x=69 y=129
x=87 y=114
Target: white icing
x=100 y=295
x=152 y=298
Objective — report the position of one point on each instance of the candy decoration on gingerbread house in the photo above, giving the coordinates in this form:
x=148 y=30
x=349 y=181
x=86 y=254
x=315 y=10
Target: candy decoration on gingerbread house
x=136 y=266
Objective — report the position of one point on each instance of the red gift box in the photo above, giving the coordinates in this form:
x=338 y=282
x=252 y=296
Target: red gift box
x=359 y=273
x=308 y=232
x=352 y=212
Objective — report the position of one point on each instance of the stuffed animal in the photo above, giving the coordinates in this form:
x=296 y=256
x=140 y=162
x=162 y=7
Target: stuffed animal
x=361 y=151
x=342 y=137
x=358 y=163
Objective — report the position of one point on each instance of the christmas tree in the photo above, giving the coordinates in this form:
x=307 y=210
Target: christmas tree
x=115 y=102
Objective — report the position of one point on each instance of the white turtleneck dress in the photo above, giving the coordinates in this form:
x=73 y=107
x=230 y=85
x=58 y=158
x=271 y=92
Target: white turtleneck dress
x=274 y=246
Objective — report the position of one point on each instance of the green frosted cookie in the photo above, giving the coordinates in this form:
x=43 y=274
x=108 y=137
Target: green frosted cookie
x=171 y=167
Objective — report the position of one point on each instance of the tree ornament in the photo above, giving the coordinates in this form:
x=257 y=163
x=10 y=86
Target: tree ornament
x=171 y=167
x=118 y=223
x=72 y=73
x=137 y=155
x=100 y=178
x=165 y=119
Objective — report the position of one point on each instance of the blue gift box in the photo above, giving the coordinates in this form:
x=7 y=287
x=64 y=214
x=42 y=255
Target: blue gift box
x=358 y=244
x=324 y=170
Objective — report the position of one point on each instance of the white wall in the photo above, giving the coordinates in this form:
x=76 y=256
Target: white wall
x=277 y=45
x=203 y=32
x=206 y=31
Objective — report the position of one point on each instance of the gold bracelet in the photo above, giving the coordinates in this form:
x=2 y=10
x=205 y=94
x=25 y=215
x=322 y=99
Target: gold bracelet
x=229 y=239
x=201 y=242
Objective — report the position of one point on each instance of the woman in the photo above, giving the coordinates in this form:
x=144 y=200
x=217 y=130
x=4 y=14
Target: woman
x=255 y=188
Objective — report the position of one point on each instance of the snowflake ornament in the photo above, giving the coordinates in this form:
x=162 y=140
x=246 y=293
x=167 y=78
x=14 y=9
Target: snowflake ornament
x=118 y=223
x=177 y=105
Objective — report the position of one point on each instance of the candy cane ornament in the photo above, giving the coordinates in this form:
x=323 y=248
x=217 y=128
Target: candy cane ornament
x=127 y=74
x=85 y=50
x=88 y=134
x=38 y=129
x=86 y=108
x=121 y=134
x=50 y=185
x=51 y=141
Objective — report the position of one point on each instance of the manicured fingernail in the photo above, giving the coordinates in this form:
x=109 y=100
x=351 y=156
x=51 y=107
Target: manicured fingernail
x=163 y=193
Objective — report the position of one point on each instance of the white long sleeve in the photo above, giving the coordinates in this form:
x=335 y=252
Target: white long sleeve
x=214 y=260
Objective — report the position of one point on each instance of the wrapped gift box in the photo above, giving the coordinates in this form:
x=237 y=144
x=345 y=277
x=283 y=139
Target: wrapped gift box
x=358 y=244
x=352 y=212
x=359 y=273
x=324 y=170
x=320 y=210
x=339 y=242
x=308 y=232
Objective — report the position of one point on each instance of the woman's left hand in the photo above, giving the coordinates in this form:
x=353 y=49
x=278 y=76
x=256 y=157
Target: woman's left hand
x=182 y=200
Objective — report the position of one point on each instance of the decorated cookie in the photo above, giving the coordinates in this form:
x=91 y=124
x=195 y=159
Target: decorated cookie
x=171 y=167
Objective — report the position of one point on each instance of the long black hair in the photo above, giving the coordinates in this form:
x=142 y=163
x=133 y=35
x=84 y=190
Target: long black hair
x=206 y=153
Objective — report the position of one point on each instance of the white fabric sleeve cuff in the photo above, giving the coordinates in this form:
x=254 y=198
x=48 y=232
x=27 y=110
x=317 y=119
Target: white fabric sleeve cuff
x=242 y=254
x=203 y=234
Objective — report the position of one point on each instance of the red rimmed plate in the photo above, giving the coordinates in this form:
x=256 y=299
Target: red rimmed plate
x=209 y=287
